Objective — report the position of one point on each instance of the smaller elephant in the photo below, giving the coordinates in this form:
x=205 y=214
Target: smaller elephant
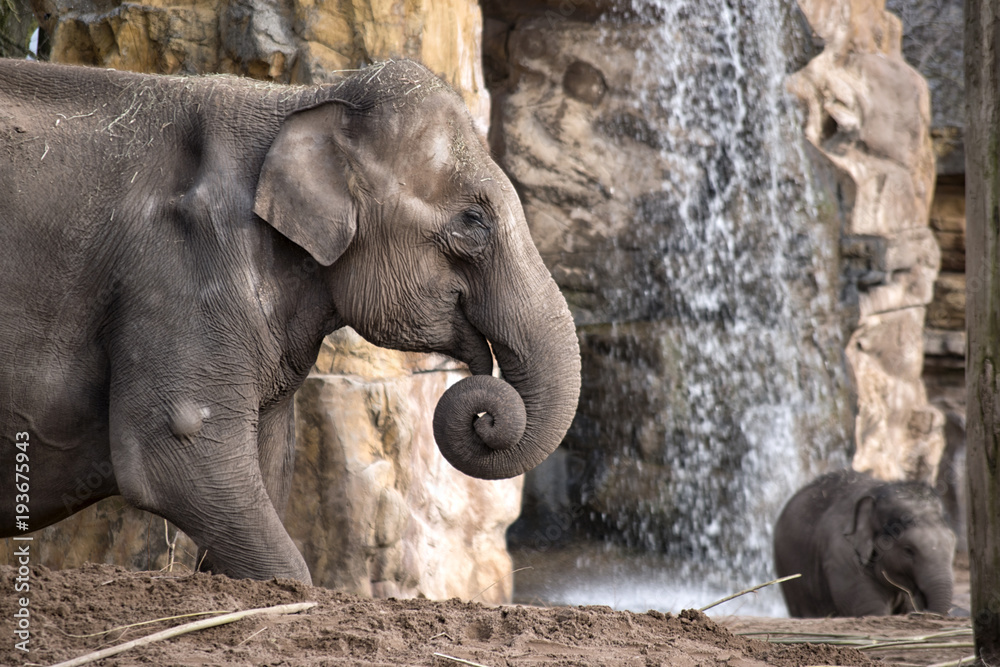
x=864 y=547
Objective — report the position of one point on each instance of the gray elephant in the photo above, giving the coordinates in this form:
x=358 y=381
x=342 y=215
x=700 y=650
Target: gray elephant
x=864 y=547
x=173 y=251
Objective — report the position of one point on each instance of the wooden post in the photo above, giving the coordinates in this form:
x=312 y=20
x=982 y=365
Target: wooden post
x=982 y=192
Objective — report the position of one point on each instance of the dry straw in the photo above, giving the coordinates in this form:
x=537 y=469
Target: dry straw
x=184 y=629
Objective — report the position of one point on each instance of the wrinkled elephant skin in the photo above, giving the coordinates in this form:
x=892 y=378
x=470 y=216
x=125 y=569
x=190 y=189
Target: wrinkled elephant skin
x=174 y=250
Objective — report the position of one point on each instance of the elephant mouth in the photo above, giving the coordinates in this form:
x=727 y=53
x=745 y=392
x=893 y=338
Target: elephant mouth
x=909 y=596
x=471 y=347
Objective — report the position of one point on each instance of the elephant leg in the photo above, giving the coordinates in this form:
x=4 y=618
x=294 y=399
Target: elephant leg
x=202 y=474
x=276 y=454
x=855 y=593
x=276 y=451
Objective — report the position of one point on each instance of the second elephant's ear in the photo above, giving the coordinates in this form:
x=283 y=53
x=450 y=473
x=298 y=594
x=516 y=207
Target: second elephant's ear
x=303 y=189
x=862 y=534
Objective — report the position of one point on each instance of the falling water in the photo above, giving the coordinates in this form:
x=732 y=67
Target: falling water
x=725 y=351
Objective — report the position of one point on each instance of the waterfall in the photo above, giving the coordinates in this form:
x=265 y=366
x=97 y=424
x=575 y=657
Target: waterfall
x=737 y=268
x=715 y=384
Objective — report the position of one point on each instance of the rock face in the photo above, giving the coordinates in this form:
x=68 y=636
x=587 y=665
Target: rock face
x=725 y=267
x=375 y=509
x=932 y=42
x=869 y=113
x=110 y=531
x=302 y=41
x=695 y=237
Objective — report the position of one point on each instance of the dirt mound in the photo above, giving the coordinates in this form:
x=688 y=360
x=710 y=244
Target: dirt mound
x=348 y=630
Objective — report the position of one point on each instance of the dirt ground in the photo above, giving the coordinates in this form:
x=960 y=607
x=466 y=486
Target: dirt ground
x=347 y=630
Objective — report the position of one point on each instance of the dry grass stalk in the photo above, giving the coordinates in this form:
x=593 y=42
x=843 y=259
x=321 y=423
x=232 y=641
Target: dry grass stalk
x=458 y=660
x=748 y=590
x=141 y=623
x=184 y=629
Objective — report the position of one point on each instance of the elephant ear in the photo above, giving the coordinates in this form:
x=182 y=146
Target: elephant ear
x=303 y=189
x=862 y=533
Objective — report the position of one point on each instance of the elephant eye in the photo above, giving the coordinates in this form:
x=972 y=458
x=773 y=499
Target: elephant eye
x=475 y=217
x=467 y=236
x=909 y=551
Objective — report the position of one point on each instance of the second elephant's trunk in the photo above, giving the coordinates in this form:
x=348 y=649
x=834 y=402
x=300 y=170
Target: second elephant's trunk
x=937 y=596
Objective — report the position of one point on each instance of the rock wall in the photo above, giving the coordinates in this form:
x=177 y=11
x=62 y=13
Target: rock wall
x=869 y=114
x=295 y=41
x=932 y=42
x=633 y=198
x=696 y=239
x=375 y=509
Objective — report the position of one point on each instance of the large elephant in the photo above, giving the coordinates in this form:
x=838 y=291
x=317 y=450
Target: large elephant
x=173 y=251
x=864 y=548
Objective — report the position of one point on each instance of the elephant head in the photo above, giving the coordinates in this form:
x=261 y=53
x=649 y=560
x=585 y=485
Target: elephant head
x=901 y=537
x=424 y=247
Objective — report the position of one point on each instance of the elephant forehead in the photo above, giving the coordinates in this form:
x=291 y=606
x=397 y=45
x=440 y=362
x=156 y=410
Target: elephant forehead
x=418 y=162
x=439 y=157
x=441 y=132
x=933 y=534
x=438 y=151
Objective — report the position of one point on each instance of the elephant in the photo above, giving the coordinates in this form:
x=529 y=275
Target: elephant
x=864 y=547
x=175 y=249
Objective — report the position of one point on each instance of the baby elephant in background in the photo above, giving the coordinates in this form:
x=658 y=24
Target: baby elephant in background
x=864 y=547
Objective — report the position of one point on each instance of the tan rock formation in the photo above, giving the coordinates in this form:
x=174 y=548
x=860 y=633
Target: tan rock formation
x=303 y=41
x=376 y=509
x=111 y=532
x=868 y=112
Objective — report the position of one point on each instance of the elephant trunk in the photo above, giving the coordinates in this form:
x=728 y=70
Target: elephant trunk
x=494 y=429
x=937 y=596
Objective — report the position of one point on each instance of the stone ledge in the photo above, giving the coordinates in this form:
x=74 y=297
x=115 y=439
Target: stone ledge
x=944 y=343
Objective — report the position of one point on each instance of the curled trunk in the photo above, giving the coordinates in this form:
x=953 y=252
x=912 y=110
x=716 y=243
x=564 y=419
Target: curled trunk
x=494 y=429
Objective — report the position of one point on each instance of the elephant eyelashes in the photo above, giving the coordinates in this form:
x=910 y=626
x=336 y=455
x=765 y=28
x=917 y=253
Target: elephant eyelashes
x=474 y=218
x=467 y=235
